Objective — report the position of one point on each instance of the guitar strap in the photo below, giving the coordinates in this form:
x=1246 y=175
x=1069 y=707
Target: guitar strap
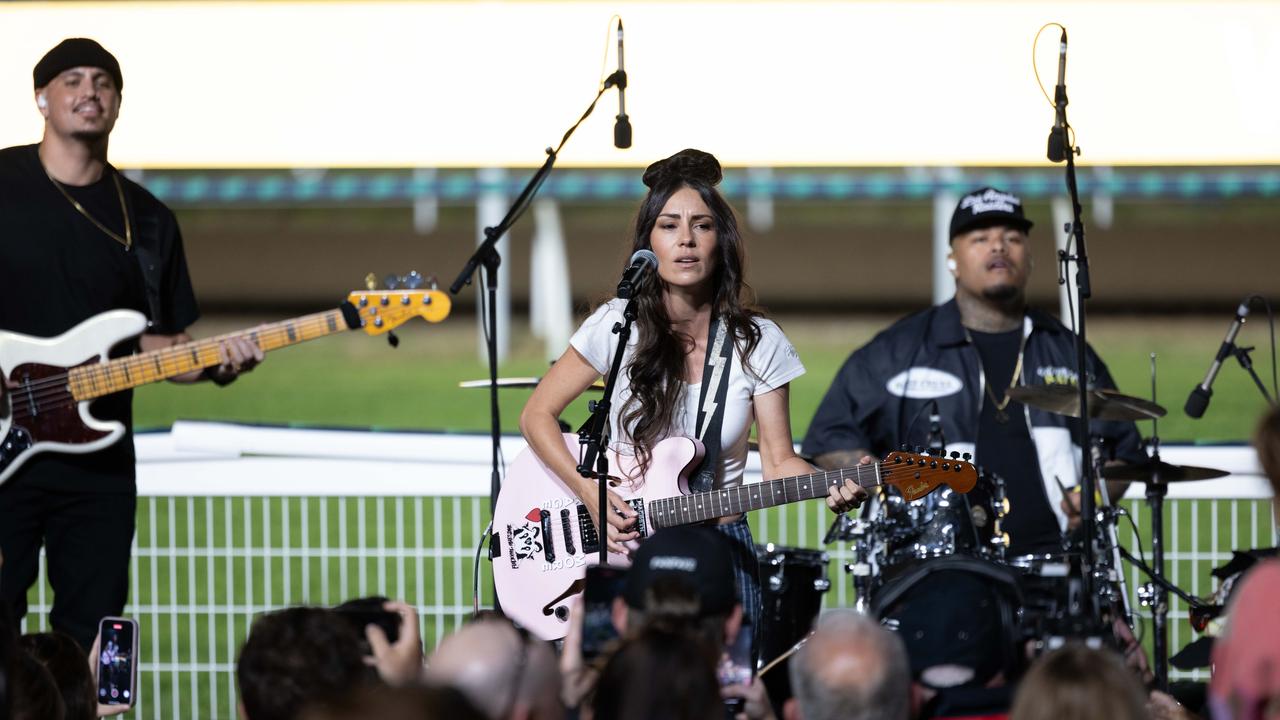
x=715 y=372
x=146 y=250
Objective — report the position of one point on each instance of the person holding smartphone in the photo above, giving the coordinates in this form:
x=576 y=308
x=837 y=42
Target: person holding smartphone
x=696 y=303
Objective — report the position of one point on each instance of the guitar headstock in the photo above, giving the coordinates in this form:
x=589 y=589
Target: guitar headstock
x=384 y=310
x=916 y=474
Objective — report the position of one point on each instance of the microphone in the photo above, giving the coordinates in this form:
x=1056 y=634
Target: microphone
x=1198 y=400
x=1058 y=134
x=640 y=263
x=621 y=125
x=937 y=441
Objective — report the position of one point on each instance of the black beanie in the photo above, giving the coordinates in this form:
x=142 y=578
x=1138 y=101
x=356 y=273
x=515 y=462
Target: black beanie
x=76 y=52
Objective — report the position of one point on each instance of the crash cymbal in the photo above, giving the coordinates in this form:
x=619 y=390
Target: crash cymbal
x=1103 y=404
x=525 y=383
x=1146 y=471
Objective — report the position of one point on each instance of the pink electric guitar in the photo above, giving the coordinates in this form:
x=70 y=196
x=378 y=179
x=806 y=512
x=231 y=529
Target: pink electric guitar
x=544 y=538
x=53 y=380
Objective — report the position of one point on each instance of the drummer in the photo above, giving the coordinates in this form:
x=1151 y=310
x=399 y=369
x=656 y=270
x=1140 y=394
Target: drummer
x=965 y=354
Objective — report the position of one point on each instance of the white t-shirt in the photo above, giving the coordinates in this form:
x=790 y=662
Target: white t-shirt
x=774 y=362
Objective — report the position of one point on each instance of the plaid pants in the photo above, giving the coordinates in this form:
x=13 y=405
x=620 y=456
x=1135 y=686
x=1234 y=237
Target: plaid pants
x=746 y=572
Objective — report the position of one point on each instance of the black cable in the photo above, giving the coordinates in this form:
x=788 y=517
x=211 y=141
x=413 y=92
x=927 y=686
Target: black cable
x=475 y=571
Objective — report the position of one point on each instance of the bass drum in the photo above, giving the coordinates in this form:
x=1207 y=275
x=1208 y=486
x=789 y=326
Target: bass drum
x=792 y=581
x=958 y=615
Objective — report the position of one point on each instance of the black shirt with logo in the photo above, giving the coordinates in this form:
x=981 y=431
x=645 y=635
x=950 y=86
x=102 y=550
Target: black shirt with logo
x=57 y=269
x=880 y=400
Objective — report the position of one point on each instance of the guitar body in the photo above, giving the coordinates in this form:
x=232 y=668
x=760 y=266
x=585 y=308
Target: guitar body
x=61 y=424
x=543 y=536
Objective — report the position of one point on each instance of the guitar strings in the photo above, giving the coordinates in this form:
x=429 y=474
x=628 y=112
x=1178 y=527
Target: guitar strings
x=24 y=397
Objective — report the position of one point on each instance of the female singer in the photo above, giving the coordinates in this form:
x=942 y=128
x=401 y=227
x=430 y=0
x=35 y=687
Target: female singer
x=691 y=228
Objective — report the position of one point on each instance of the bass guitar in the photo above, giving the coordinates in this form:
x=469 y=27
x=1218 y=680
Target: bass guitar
x=543 y=537
x=51 y=381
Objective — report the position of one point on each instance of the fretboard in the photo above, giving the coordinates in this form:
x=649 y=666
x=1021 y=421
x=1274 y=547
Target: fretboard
x=700 y=507
x=91 y=381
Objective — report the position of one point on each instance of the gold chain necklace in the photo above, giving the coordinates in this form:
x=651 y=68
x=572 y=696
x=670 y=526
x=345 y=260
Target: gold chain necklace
x=127 y=240
x=1002 y=416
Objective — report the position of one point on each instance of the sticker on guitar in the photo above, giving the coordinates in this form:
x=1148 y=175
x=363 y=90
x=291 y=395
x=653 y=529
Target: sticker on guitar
x=524 y=542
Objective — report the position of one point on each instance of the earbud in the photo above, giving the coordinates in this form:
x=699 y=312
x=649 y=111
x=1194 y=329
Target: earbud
x=41 y=101
x=951 y=264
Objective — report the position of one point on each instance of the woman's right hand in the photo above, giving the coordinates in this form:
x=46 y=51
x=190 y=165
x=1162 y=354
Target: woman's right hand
x=621 y=520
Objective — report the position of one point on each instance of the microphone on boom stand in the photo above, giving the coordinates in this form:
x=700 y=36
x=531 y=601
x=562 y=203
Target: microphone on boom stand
x=1058 y=148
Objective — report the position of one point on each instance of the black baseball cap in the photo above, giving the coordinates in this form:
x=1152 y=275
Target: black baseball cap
x=698 y=556
x=986 y=207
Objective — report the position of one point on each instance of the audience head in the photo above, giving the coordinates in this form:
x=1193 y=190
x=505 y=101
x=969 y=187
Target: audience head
x=33 y=693
x=504 y=672
x=397 y=703
x=1076 y=682
x=295 y=656
x=660 y=670
x=69 y=667
x=1246 y=656
x=686 y=574
x=852 y=668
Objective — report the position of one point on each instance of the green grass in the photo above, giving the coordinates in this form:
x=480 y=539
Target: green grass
x=353 y=380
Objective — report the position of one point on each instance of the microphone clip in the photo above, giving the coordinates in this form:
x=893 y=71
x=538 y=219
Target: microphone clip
x=618 y=79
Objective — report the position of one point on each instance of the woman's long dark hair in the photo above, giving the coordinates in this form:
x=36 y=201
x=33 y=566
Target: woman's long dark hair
x=657 y=369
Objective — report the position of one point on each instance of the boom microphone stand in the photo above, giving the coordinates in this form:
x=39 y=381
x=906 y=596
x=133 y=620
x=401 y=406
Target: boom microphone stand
x=487 y=255
x=1060 y=147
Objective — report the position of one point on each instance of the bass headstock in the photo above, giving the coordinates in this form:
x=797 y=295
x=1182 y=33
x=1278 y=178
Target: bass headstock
x=916 y=474
x=384 y=310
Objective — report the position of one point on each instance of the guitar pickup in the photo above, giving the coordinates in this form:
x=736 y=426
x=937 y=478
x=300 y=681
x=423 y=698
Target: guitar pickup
x=566 y=527
x=548 y=548
x=587 y=531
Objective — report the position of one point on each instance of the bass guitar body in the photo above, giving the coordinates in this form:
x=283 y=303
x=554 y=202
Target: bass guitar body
x=39 y=413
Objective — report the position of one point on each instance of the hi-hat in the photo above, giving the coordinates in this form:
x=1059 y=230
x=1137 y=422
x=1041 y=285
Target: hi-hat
x=1103 y=404
x=526 y=383
x=1148 y=471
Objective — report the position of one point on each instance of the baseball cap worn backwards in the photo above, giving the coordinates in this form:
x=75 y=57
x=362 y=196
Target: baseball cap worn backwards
x=698 y=556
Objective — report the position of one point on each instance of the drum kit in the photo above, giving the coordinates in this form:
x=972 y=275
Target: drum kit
x=904 y=554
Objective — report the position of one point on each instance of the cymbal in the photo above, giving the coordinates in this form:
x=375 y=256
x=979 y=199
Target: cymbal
x=1145 y=471
x=1103 y=404
x=524 y=383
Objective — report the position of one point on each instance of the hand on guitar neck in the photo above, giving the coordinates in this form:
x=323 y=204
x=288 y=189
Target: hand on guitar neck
x=849 y=495
x=236 y=355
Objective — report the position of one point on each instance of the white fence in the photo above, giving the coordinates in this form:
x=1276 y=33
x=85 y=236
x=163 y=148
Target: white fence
x=235 y=520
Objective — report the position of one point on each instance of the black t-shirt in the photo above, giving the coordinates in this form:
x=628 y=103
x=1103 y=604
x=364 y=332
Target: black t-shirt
x=1006 y=448
x=58 y=269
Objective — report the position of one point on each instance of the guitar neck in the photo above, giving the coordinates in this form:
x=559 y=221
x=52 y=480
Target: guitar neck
x=92 y=381
x=700 y=507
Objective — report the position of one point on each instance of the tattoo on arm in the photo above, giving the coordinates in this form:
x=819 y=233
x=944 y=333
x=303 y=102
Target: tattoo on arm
x=837 y=459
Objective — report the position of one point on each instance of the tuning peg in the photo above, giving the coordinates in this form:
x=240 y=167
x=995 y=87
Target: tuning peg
x=955 y=455
x=433 y=283
x=903 y=447
x=391 y=282
x=392 y=340
x=967 y=457
x=413 y=280
x=371 y=282
x=918 y=449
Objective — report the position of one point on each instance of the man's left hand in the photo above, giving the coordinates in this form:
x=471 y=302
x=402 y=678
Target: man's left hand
x=236 y=356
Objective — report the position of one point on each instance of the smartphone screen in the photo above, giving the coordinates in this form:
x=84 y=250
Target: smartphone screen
x=117 y=661
x=603 y=584
x=735 y=664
